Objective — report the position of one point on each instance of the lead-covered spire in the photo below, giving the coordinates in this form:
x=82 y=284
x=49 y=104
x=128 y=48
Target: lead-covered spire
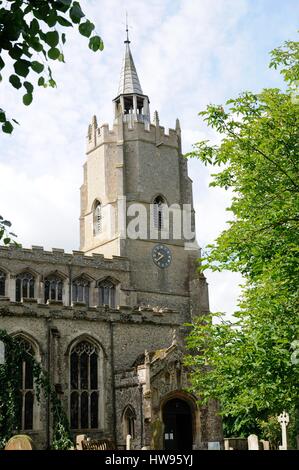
x=131 y=104
x=129 y=81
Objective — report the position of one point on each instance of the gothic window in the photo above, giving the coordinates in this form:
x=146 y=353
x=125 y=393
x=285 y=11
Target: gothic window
x=129 y=418
x=2 y=282
x=80 y=290
x=24 y=286
x=84 y=386
x=107 y=293
x=97 y=218
x=159 y=202
x=26 y=388
x=53 y=288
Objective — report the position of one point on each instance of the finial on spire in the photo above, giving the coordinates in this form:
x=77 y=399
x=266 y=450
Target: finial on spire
x=127 y=41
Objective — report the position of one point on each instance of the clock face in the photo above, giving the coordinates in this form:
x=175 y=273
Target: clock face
x=161 y=256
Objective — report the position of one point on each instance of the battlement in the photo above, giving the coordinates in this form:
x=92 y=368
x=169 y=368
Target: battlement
x=79 y=311
x=98 y=135
x=133 y=128
x=156 y=134
x=58 y=256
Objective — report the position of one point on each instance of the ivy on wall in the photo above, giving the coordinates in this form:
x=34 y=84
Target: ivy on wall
x=10 y=406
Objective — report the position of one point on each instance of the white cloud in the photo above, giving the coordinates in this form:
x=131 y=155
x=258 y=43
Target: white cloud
x=187 y=54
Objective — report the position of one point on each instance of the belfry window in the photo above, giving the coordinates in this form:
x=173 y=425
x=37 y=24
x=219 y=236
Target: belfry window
x=128 y=104
x=80 y=290
x=159 y=203
x=84 y=386
x=26 y=388
x=97 y=218
x=129 y=418
x=53 y=288
x=2 y=282
x=24 y=286
x=106 y=293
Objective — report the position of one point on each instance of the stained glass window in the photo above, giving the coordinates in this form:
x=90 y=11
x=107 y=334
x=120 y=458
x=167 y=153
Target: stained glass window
x=84 y=386
x=107 y=293
x=24 y=286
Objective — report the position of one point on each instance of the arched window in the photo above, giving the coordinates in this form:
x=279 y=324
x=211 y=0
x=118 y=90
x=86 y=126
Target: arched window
x=80 y=290
x=84 y=386
x=24 y=286
x=97 y=218
x=26 y=388
x=2 y=282
x=106 y=293
x=159 y=203
x=53 y=288
x=129 y=418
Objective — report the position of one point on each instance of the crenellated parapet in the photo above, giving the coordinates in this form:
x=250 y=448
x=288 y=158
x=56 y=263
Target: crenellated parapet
x=133 y=128
x=37 y=254
x=156 y=134
x=98 y=135
x=79 y=311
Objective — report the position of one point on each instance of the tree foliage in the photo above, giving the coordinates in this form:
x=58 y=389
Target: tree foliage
x=251 y=365
x=32 y=33
x=6 y=236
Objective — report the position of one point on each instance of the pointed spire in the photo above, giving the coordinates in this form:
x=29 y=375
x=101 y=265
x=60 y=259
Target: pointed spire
x=129 y=81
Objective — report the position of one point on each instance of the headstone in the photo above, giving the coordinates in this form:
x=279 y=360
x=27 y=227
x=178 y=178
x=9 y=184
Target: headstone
x=266 y=445
x=253 y=442
x=79 y=439
x=128 y=442
x=19 y=442
x=283 y=420
x=213 y=445
x=226 y=444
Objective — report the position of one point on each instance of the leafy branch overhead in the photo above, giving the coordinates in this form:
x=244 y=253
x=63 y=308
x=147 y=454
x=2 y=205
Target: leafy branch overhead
x=32 y=33
x=6 y=237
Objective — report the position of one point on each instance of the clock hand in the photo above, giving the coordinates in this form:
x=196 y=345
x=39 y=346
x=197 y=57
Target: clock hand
x=160 y=257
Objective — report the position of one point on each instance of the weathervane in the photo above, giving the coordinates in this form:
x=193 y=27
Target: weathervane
x=127 y=41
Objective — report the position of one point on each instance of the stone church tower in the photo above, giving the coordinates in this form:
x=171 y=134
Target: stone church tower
x=107 y=322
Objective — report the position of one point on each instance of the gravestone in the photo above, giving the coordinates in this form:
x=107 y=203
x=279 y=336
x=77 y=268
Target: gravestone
x=283 y=420
x=128 y=442
x=79 y=439
x=266 y=445
x=253 y=442
x=19 y=442
x=213 y=445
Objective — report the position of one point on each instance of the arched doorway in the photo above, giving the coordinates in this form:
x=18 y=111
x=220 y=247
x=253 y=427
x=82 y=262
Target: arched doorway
x=177 y=418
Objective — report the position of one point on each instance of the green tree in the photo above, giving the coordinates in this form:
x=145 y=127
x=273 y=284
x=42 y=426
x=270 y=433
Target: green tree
x=32 y=33
x=6 y=237
x=251 y=365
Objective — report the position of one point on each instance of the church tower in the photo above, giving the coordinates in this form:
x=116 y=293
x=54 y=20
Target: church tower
x=136 y=198
x=107 y=322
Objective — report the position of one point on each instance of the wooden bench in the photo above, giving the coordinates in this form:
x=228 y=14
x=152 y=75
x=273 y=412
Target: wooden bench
x=101 y=444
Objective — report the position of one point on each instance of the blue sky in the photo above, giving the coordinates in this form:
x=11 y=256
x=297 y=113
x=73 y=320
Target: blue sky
x=187 y=54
